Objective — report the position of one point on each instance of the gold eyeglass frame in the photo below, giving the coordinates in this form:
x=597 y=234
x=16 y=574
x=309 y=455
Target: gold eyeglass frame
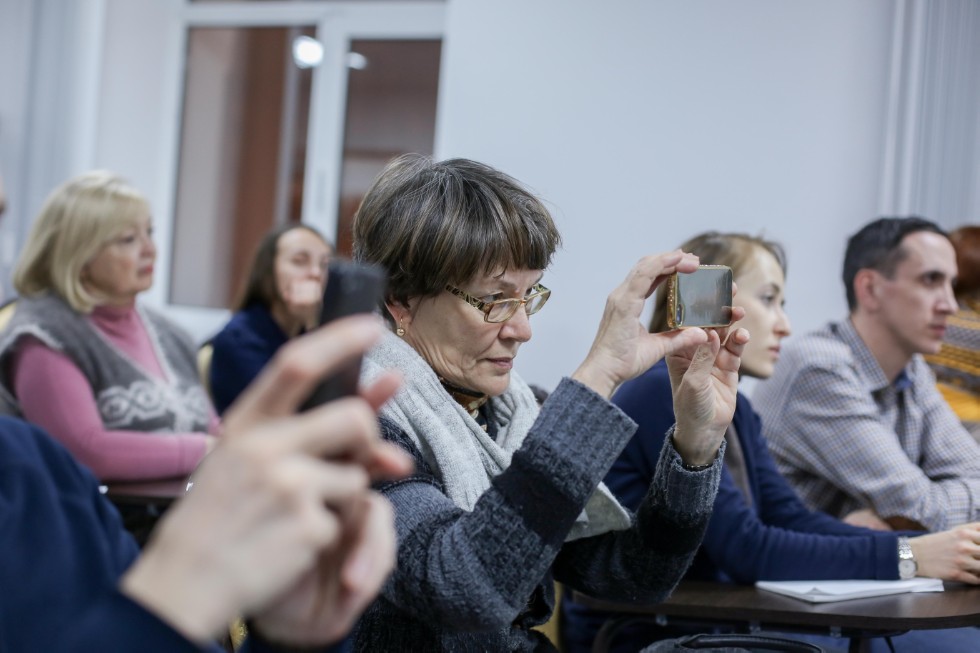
x=486 y=307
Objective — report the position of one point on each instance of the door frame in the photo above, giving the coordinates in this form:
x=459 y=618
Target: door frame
x=337 y=23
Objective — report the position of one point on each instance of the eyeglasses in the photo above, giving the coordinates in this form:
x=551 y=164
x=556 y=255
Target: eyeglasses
x=501 y=310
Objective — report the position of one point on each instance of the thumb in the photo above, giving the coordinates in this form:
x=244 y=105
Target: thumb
x=683 y=340
x=703 y=361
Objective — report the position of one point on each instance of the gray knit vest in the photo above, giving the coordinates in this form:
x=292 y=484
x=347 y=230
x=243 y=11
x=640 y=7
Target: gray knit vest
x=128 y=398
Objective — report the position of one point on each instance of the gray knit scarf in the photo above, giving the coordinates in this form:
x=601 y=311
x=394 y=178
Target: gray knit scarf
x=457 y=449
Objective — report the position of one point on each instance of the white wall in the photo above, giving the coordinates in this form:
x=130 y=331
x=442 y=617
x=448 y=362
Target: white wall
x=50 y=53
x=643 y=123
x=138 y=119
x=16 y=26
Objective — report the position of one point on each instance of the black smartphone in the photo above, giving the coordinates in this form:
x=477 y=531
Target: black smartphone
x=351 y=288
x=702 y=298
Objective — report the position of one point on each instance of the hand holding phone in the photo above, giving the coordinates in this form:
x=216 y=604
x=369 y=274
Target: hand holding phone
x=702 y=298
x=351 y=288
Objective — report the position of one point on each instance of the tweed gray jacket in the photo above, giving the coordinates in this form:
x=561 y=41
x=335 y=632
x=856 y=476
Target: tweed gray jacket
x=481 y=580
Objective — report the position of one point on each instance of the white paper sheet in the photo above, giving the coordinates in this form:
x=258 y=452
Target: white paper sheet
x=823 y=591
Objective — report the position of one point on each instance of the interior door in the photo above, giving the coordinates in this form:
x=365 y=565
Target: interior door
x=275 y=122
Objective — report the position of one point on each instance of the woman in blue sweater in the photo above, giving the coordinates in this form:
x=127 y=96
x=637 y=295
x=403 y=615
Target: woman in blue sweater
x=281 y=299
x=759 y=529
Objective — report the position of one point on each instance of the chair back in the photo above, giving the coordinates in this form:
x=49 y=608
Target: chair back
x=7 y=312
x=204 y=355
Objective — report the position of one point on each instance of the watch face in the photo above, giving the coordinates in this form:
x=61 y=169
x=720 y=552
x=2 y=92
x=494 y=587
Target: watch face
x=907 y=569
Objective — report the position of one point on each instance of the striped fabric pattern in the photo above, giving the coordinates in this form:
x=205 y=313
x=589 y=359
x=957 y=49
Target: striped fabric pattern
x=957 y=365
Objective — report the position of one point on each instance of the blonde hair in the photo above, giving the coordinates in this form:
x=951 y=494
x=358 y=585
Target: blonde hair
x=77 y=220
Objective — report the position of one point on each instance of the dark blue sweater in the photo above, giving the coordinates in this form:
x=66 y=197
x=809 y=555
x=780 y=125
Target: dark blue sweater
x=775 y=538
x=241 y=349
x=62 y=552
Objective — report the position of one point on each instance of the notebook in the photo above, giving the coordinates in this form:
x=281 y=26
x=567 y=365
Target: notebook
x=824 y=591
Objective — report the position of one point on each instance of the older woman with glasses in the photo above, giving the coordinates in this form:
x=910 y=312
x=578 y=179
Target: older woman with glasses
x=506 y=497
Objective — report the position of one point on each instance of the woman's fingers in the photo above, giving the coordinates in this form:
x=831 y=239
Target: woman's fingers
x=287 y=488
x=622 y=348
x=730 y=356
x=651 y=270
x=682 y=341
x=325 y=603
x=389 y=461
x=372 y=553
x=342 y=429
x=382 y=389
x=277 y=512
x=345 y=429
x=703 y=361
x=737 y=313
x=951 y=555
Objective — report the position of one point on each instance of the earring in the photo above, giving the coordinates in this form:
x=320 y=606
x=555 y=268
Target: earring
x=400 y=331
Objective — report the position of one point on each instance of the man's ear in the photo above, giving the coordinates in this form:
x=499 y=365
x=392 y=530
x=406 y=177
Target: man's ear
x=867 y=289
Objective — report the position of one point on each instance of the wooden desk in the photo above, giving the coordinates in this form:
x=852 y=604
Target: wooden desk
x=141 y=504
x=715 y=604
x=160 y=493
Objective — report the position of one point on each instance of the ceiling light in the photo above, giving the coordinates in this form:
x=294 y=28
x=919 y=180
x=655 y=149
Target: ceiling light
x=357 y=61
x=307 y=52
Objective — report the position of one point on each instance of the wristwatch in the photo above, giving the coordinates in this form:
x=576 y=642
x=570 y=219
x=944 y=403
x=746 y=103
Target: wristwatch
x=907 y=567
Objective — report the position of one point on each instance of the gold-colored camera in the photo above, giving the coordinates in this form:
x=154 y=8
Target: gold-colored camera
x=702 y=298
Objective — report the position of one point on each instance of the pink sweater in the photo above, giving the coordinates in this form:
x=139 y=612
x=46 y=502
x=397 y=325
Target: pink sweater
x=70 y=414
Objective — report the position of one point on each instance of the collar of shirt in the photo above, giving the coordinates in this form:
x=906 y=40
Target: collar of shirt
x=866 y=362
x=903 y=381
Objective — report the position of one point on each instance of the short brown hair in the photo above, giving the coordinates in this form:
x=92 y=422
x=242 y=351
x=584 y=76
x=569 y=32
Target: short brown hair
x=878 y=246
x=260 y=287
x=966 y=241
x=77 y=220
x=429 y=224
x=716 y=248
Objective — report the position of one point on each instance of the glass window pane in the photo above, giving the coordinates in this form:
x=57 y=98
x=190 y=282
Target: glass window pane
x=391 y=109
x=242 y=155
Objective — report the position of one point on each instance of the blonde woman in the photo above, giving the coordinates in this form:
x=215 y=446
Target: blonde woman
x=115 y=382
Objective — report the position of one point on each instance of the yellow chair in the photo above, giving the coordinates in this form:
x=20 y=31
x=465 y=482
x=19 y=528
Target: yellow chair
x=550 y=627
x=204 y=355
x=7 y=312
x=964 y=403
